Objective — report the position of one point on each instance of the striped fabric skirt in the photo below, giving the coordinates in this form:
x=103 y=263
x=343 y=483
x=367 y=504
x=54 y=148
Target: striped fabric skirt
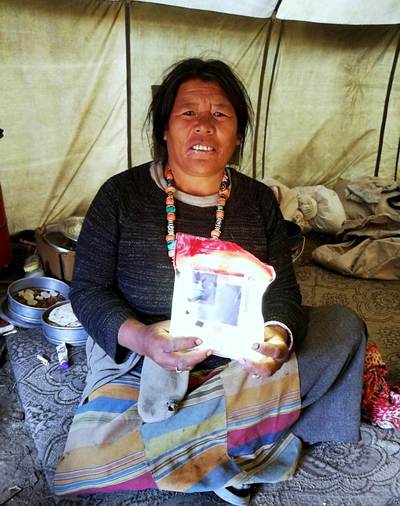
x=231 y=428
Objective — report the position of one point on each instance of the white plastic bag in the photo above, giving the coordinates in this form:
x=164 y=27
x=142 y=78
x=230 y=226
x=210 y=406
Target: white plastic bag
x=218 y=294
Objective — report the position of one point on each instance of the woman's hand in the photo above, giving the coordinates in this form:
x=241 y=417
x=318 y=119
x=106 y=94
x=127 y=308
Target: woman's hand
x=274 y=352
x=156 y=342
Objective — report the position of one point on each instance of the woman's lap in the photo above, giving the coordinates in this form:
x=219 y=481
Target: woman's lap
x=227 y=430
x=331 y=364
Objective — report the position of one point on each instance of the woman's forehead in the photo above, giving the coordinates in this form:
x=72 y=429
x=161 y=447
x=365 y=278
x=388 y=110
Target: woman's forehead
x=195 y=89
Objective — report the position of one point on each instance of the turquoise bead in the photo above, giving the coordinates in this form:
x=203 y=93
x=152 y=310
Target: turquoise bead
x=170 y=209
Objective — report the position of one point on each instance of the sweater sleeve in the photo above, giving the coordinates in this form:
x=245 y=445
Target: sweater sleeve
x=282 y=300
x=94 y=295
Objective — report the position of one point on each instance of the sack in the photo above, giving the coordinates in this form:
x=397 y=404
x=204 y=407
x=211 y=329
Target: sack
x=330 y=211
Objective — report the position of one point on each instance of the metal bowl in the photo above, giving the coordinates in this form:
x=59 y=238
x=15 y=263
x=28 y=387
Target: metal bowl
x=30 y=314
x=57 y=334
x=295 y=238
x=58 y=241
x=294 y=233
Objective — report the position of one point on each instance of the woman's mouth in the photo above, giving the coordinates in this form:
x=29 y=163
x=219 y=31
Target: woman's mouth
x=202 y=148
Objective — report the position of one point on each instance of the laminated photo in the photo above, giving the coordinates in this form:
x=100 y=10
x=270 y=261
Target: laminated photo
x=218 y=294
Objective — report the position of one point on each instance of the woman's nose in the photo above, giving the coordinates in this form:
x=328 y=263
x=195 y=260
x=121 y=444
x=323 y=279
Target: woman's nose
x=205 y=124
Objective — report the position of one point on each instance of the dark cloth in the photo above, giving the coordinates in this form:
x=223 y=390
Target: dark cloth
x=122 y=267
x=331 y=366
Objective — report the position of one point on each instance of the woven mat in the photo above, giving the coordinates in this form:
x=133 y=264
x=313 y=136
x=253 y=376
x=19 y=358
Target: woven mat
x=334 y=474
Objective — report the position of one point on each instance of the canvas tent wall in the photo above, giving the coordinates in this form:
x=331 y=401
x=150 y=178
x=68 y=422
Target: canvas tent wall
x=76 y=79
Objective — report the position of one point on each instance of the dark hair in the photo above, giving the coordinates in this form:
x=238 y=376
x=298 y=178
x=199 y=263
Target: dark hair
x=205 y=70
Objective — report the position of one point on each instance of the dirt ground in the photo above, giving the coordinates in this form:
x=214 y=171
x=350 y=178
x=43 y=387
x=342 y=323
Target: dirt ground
x=19 y=481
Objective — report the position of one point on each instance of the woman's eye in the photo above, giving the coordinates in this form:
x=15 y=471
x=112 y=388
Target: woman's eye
x=218 y=114
x=188 y=113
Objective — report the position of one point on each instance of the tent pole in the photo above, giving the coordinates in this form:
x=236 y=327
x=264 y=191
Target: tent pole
x=386 y=106
x=259 y=100
x=281 y=28
x=128 y=81
x=260 y=93
x=396 y=165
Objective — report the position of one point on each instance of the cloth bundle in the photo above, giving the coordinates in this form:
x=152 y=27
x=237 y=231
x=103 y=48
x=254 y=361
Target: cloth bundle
x=367 y=196
x=381 y=400
x=311 y=207
x=369 y=248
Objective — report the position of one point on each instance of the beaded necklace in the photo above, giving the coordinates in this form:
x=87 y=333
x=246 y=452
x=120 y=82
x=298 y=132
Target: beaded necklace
x=223 y=194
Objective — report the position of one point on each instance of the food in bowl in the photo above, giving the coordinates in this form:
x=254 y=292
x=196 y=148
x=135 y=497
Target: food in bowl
x=60 y=325
x=63 y=316
x=19 y=294
x=38 y=297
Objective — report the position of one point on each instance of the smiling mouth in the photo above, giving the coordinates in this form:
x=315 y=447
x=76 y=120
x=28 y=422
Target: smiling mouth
x=202 y=148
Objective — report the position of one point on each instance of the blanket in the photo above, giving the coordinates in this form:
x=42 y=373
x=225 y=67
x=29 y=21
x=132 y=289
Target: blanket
x=231 y=428
x=370 y=248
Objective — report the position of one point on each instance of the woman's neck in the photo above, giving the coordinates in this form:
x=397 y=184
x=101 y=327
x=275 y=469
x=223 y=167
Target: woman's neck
x=197 y=185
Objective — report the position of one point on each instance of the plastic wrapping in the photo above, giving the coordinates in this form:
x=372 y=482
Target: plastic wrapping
x=218 y=294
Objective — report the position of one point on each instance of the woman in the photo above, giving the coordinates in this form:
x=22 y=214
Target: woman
x=238 y=423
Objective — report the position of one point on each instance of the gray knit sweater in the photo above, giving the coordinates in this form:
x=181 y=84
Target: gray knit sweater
x=122 y=268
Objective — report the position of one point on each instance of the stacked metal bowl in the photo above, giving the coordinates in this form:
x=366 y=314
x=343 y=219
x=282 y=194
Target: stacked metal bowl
x=60 y=325
x=36 y=301
x=23 y=304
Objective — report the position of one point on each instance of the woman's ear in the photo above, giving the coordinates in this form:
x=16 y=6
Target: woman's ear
x=165 y=135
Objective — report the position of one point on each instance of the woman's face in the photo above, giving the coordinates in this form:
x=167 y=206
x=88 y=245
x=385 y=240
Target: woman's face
x=202 y=131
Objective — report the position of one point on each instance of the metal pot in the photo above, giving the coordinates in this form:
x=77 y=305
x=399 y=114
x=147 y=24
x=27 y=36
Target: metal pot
x=57 y=334
x=30 y=314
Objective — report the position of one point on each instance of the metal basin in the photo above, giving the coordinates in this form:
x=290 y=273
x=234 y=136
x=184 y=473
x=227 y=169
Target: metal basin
x=31 y=314
x=57 y=334
x=295 y=238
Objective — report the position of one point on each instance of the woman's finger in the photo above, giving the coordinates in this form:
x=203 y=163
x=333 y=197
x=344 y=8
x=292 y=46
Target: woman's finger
x=276 y=349
x=184 y=361
x=181 y=344
x=265 y=367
